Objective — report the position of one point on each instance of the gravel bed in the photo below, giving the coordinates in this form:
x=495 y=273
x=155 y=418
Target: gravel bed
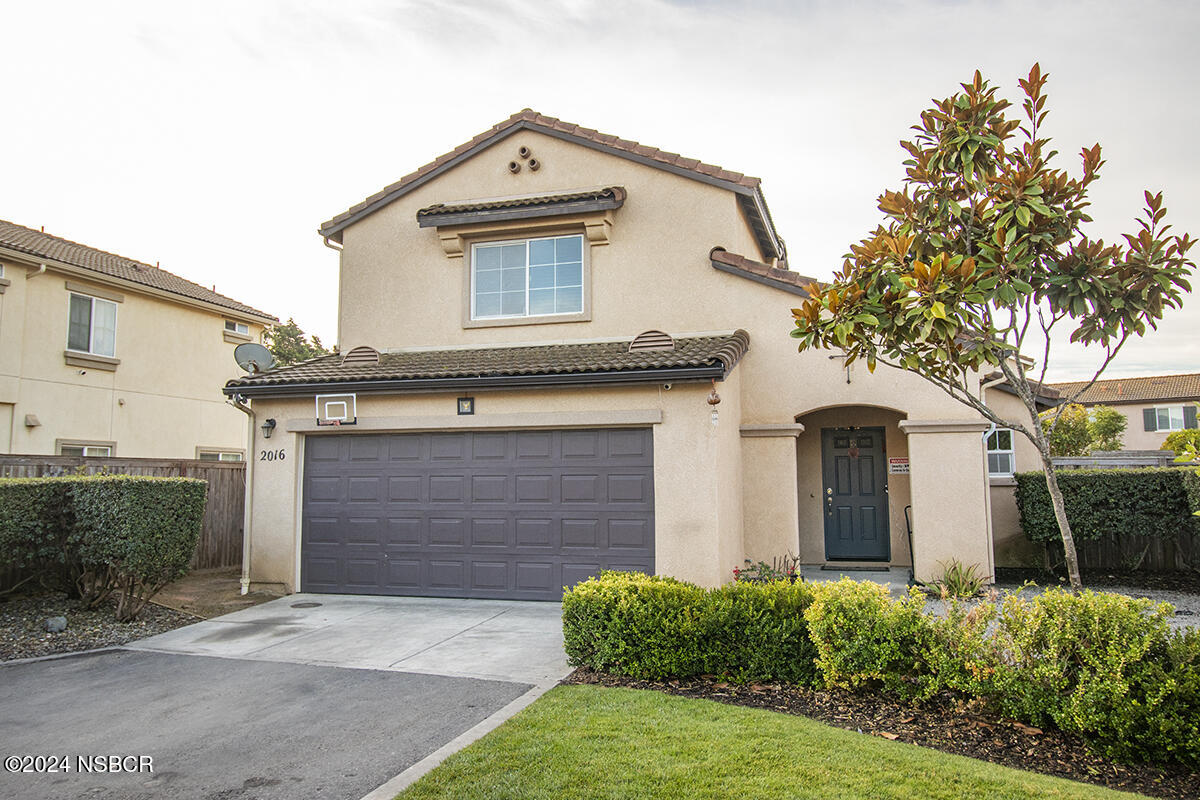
x=23 y=633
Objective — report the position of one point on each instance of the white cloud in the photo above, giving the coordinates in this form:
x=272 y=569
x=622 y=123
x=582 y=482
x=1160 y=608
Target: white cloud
x=215 y=137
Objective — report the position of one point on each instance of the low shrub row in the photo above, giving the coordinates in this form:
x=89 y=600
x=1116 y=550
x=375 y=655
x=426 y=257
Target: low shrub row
x=1104 y=666
x=1157 y=501
x=91 y=536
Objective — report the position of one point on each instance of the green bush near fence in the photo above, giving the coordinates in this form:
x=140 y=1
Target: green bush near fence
x=37 y=530
x=98 y=534
x=1100 y=503
x=1103 y=666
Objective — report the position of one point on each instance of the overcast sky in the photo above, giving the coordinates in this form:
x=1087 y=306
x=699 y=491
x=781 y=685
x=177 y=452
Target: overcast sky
x=214 y=137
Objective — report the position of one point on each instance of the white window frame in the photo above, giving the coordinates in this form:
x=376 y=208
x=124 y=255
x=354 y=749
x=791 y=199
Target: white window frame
x=1170 y=418
x=221 y=455
x=999 y=451
x=85 y=448
x=558 y=315
x=240 y=328
x=92 y=325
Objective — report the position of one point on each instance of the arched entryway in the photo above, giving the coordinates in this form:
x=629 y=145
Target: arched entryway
x=852 y=486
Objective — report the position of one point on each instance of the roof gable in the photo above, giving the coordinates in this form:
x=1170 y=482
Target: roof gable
x=41 y=245
x=747 y=188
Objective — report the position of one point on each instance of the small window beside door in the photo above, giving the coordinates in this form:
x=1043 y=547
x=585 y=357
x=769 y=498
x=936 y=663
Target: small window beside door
x=1000 y=454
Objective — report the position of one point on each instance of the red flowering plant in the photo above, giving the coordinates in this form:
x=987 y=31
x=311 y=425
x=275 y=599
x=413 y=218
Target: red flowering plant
x=781 y=568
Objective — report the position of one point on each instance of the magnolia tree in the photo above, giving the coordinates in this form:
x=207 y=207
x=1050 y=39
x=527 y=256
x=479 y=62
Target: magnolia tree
x=983 y=258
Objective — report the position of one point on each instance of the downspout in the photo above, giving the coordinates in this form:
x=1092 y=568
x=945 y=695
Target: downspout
x=247 y=511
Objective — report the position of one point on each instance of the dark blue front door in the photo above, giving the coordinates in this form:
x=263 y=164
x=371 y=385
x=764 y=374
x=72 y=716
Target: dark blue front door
x=854 y=494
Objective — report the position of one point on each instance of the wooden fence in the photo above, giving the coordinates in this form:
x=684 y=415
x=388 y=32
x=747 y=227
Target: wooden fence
x=1149 y=553
x=1118 y=459
x=220 y=542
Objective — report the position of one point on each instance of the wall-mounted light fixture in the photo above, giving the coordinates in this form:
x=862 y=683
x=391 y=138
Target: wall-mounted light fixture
x=714 y=400
x=268 y=427
x=466 y=406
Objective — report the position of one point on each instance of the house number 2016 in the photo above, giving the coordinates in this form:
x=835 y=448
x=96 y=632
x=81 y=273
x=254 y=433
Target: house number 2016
x=271 y=455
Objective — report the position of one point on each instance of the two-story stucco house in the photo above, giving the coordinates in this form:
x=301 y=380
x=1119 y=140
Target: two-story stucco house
x=101 y=355
x=1153 y=405
x=535 y=329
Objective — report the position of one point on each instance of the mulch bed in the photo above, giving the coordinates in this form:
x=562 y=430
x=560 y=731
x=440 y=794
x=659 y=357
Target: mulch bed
x=23 y=633
x=942 y=724
x=1179 y=581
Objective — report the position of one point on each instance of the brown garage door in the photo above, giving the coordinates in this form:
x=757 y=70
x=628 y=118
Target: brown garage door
x=500 y=514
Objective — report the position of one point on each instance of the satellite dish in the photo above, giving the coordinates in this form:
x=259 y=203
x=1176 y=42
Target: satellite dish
x=253 y=357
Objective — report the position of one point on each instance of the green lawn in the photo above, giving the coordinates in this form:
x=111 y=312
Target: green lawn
x=589 y=742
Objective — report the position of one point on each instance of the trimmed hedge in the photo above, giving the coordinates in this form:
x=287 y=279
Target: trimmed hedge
x=653 y=628
x=37 y=529
x=1103 y=666
x=96 y=534
x=1106 y=502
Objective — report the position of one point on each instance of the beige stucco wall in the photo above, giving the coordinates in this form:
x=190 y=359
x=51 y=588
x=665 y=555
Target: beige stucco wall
x=1012 y=548
x=1136 y=436
x=162 y=401
x=719 y=496
x=698 y=528
x=950 y=497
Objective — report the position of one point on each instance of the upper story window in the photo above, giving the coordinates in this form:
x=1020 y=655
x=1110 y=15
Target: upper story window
x=92 y=325
x=1169 y=418
x=240 y=328
x=1000 y=454
x=517 y=278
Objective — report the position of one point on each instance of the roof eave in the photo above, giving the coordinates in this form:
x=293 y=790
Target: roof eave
x=406 y=385
x=133 y=286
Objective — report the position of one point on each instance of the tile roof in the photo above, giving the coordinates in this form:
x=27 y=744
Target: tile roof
x=1045 y=393
x=42 y=245
x=615 y=195
x=1133 y=390
x=528 y=118
x=744 y=267
x=722 y=351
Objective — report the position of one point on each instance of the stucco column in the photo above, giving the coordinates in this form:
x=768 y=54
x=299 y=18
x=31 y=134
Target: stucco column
x=771 y=520
x=949 y=481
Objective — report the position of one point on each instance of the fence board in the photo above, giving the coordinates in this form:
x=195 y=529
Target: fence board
x=220 y=543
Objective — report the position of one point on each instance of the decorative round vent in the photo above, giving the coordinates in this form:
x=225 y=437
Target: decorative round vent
x=652 y=340
x=362 y=355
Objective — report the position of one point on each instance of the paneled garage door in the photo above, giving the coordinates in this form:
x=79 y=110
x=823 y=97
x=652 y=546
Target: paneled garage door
x=500 y=514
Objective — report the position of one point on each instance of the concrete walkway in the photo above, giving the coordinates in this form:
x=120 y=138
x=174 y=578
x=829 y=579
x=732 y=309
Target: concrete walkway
x=489 y=639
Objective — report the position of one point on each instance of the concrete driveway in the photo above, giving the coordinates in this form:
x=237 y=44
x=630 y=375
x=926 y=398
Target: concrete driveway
x=350 y=697
x=489 y=639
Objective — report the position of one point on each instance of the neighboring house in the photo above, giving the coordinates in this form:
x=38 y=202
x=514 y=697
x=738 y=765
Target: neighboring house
x=1154 y=405
x=101 y=355
x=534 y=329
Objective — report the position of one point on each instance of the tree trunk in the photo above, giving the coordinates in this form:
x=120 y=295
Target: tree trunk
x=1060 y=511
